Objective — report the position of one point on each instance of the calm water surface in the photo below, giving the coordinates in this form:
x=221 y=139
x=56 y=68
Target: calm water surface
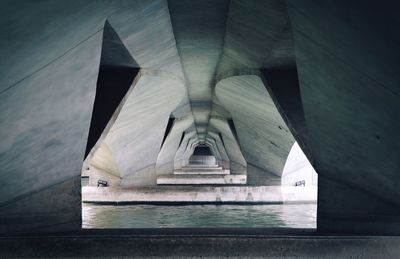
x=156 y=216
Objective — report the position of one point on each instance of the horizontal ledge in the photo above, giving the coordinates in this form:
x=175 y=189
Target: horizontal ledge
x=171 y=195
x=190 y=202
x=287 y=233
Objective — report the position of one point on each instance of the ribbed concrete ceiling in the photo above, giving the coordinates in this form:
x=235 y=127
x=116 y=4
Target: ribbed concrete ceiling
x=199 y=30
x=215 y=39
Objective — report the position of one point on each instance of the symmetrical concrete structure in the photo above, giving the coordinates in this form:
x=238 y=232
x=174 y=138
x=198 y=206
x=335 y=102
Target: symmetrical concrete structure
x=131 y=88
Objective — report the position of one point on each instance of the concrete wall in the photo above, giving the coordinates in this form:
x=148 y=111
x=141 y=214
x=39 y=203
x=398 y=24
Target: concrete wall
x=48 y=71
x=347 y=63
x=182 y=194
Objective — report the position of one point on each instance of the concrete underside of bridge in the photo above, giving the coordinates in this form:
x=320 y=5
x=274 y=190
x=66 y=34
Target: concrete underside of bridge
x=133 y=87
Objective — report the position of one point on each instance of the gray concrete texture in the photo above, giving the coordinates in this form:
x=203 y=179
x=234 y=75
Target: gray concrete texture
x=265 y=139
x=182 y=194
x=205 y=243
x=201 y=61
x=350 y=95
x=48 y=82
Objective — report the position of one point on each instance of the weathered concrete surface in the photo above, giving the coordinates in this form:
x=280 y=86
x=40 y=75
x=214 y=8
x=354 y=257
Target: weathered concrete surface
x=263 y=135
x=283 y=86
x=55 y=208
x=238 y=163
x=30 y=39
x=199 y=29
x=201 y=170
x=146 y=32
x=145 y=29
x=196 y=179
x=136 y=136
x=190 y=243
x=148 y=90
x=200 y=194
x=202 y=166
x=217 y=140
x=165 y=159
x=51 y=53
x=48 y=80
x=347 y=64
x=258 y=35
x=103 y=159
x=349 y=81
x=179 y=159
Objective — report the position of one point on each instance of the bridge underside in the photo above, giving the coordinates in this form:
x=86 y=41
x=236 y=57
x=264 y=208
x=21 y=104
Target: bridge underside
x=132 y=88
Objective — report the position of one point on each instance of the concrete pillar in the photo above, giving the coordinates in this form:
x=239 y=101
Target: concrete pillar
x=349 y=83
x=46 y=103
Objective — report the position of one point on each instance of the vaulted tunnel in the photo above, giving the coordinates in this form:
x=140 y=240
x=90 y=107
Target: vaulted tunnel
x=179 y=94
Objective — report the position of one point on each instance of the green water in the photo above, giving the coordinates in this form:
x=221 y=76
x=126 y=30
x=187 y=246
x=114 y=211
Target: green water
x=187 y=216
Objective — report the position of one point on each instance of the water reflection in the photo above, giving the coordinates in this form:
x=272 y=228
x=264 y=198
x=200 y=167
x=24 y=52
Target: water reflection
x=155 y=216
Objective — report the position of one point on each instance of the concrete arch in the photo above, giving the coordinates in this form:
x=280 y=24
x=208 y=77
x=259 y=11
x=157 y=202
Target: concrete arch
x=264 y=137
x=178 y=159
x=238 y=163
x=225 y=162
x=136 y=136
x=165 y=159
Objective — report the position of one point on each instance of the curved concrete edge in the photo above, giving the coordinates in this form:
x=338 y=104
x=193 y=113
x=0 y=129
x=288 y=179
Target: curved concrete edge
x=265 y=140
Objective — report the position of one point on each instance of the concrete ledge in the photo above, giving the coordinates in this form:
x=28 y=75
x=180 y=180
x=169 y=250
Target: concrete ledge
x=200 y=194
x=201 y=168
x=201 y=179
x=260 y=244
x=202 y=172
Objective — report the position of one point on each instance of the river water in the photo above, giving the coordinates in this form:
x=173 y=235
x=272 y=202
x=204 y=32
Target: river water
x=187 y=216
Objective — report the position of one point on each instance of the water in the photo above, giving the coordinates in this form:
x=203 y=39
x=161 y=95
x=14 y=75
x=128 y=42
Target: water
x=156 y=216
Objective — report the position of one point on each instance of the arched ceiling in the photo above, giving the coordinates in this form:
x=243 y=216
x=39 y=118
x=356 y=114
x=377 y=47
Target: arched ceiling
x=347 y=89
x=204 y=45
